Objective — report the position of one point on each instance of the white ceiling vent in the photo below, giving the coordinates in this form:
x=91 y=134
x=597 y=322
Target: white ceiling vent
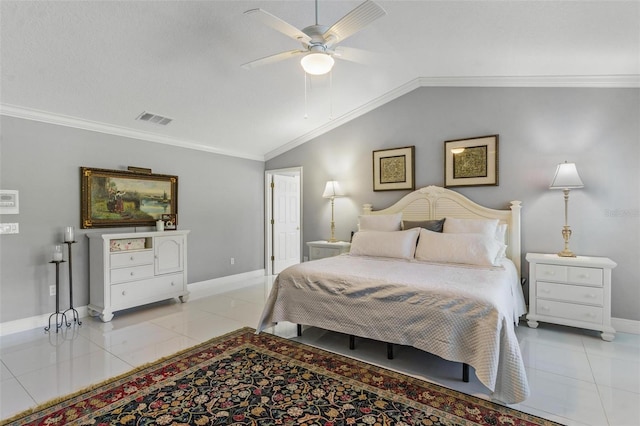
x=154 y=118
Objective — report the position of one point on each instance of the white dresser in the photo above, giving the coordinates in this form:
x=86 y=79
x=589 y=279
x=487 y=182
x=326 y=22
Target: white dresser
x=132 y=269
x=322 y=249
x=573 y=291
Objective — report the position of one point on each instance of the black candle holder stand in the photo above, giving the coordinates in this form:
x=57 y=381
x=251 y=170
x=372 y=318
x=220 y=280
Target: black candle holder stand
x=57 y=314
x=76 y=316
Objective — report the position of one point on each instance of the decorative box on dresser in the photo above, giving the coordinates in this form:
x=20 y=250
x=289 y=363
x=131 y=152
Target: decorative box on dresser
x=573 y=291
x=133 y=269
x=322 y=249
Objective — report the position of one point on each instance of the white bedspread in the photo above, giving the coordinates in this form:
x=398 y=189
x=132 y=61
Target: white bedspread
x=460 y=313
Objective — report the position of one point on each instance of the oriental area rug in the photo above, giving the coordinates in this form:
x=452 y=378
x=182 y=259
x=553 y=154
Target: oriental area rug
x=243 y=378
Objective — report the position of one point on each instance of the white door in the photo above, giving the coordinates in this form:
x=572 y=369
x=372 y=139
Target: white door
x=286 y=221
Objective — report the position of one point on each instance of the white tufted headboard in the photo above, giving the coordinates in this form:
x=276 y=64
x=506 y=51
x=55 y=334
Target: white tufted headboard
x=434 y=202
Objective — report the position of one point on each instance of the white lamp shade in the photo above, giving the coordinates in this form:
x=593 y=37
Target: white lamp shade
x=566 y=177
x=317 y=63
x=332 y=189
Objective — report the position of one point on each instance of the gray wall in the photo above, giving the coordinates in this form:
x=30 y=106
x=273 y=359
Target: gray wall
x=220 y=199
x=598 y=129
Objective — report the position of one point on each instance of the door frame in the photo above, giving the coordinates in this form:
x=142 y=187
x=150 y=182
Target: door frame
x=269 y=213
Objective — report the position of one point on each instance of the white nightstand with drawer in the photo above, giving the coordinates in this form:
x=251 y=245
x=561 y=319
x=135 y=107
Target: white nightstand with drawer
x=322 y=249
x=574 y=291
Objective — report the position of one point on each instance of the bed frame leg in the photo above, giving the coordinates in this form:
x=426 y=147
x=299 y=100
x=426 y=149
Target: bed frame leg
x=299 y=330
x=352 y=342
x=465 y=373
x=389 y=350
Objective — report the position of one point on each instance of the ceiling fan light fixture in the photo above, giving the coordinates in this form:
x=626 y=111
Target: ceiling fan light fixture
x=317 y=63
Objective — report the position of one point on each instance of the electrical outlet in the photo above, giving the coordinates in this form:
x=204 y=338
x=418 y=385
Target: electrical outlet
x=52 y=290
x=233 y=261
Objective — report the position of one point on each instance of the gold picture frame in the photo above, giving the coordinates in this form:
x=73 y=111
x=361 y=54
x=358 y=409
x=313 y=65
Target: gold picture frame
x=111 y=198
x=394 y=169
x=471 y=162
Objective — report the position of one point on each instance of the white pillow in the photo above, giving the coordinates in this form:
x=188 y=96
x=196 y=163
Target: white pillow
x=471 y=226
x=380 y=222
x=472 y=249
x=501 y=232
x=398 y=244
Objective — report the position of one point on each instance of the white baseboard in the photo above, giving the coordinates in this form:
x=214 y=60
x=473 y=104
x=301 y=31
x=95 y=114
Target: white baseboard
x=199 y=289
x=625 y=326
x=222 y=285
x=38 y=321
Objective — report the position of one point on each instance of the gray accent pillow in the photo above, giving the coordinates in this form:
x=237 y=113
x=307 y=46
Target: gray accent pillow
x=431 y=225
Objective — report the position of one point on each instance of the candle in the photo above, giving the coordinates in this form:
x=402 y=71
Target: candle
x=57 y=253
x=68 y=234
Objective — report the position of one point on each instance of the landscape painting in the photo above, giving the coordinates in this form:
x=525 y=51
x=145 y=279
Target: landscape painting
x=123 y=198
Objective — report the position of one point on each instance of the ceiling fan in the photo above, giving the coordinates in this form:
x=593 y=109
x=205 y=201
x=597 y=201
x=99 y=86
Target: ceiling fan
x=318 y=41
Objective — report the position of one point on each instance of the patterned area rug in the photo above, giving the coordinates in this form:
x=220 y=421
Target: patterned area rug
x=247 y=379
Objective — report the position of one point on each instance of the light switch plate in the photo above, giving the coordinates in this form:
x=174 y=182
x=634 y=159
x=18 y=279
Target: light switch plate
x=9 y=201
x=9 y=228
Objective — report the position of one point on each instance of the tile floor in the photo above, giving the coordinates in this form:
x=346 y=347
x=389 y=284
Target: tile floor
x=575 y=377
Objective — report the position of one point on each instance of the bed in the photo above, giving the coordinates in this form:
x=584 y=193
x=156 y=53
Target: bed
x=395 y=285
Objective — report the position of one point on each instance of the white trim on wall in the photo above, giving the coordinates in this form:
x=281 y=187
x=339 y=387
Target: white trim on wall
x=604 y=81
x=94 y=126
x=197 y=290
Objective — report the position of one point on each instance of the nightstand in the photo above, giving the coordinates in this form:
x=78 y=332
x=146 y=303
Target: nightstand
x=573 y=291
x=322 y=249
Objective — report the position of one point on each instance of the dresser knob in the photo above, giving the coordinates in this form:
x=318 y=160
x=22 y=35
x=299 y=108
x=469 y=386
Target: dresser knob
x=544 y=309
x=123 y=292
x=590 y=296
x=131 y=258
x=132 y=274
x=590 y=315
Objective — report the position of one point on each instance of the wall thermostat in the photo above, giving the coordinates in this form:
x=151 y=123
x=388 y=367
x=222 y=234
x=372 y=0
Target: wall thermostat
x=9 y=203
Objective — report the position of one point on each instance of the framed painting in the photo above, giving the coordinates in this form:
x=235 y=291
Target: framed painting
x=471 y=162
x=123 y=198
x=394 y=169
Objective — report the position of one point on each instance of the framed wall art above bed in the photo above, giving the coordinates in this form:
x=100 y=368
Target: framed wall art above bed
x=471 y=162
x=111 y=198
x=394 y=169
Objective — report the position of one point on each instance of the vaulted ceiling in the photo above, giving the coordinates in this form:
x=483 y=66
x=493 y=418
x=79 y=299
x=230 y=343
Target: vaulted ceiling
x=100 y=64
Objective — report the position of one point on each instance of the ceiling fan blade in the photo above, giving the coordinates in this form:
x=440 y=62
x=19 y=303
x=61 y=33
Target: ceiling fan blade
x=279 y=25
x=354 y=21
x=272 y=58
x=352 y=54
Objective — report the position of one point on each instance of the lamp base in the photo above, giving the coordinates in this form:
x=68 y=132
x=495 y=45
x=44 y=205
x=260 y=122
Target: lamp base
x=332 y=240
x=566 y=253
x=566 y=234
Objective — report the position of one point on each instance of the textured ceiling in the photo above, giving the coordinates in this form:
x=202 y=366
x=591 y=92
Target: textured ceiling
x=99 y=64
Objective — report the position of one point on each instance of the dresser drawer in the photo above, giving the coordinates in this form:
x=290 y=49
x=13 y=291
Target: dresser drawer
x=583 y=313
x=586 y=276
x=570 y=293
x=322 y=252
x=131 y=274
x=130 y=294
x=123 y=260
x=556 y=273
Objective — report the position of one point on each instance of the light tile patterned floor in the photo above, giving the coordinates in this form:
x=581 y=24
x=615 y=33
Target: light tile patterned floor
x=575 y=377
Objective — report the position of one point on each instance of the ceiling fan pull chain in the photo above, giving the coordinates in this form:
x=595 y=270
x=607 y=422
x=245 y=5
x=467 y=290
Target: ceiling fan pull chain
x=330 y=95
x=305 y=97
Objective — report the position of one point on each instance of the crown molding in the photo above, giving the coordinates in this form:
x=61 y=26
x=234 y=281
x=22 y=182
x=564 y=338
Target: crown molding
x=345 y=118
x=610 y=81
x=551 y=81
x=94 y=126
x=617 y=81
